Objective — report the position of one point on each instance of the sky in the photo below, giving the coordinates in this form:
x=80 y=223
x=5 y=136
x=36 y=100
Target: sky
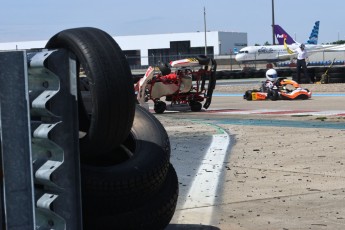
x=32 y=20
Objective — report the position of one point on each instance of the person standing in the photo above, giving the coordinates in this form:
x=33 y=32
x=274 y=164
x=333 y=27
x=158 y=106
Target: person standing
x=301 y=63
x=302 y=55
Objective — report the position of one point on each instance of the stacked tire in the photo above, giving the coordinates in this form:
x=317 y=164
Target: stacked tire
x=331 y=75
x=127 y=180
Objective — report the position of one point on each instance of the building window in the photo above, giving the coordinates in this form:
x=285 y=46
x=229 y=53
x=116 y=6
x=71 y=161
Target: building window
x=133 y=57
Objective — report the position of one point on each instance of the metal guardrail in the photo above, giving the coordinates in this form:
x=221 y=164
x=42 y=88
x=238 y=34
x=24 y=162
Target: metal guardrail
x=39 y=141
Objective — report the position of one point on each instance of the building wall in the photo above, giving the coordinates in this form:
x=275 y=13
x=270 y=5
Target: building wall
x=230 y=40
x=154 y=41
x=222 y=42
x=161 y=41
x=219 y=42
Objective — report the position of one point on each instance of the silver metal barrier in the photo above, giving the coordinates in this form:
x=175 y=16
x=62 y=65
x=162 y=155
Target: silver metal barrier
x=39 y=141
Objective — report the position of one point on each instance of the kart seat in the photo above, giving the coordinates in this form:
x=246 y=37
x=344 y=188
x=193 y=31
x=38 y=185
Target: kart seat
x=186 y=84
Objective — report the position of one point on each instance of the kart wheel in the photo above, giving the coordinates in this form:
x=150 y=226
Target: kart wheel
x=203 y=60
x=195 y=106
x=128 y=174
x=111 y=87
x=273 y=95
x=159 y=106
x=165 y=69
x=248 y=95
x=302 y=97
x=153 y=213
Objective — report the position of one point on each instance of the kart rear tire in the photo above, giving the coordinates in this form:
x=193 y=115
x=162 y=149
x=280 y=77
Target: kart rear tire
x=160 y=107
x=117 y=180
x=195 y=106
x=203 y=59
x=111 y=87
x=153 y=213
x=248 y=95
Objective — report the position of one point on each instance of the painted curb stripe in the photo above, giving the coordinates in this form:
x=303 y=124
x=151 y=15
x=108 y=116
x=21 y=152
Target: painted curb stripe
x=203 y=190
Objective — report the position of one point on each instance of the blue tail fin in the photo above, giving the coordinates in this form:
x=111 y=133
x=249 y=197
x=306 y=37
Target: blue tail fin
x=281 y=34
x=314 y=34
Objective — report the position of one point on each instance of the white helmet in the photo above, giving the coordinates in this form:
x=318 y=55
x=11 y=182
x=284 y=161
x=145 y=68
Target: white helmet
x=271 y=74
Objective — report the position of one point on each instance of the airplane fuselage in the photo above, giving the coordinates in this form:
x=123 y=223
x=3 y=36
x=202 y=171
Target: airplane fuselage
x=263 y=54
x=272 y=53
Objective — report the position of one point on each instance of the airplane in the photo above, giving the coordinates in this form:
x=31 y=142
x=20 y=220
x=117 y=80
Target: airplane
x=276 y=53
x=314 y=36
x=280 y=34
x=265 y=54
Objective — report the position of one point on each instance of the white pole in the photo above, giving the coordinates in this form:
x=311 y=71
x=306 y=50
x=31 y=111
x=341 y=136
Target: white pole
x=205 y=31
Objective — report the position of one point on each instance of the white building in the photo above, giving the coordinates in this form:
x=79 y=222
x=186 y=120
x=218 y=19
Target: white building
x=167 y=47
x=153 y=48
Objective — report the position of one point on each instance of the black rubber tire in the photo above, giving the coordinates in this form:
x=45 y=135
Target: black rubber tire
x=154 y=214
x=302 y=97
x=111 y=87
x=203 y=60
x=116 y=180
x=195 y=106
x=274 y=95
x=165 y=69
x=159 y=107
x=248 y=95
x=336 y=78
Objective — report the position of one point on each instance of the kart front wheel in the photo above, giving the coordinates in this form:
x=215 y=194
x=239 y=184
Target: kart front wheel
x=273 y=95
x=159 y=107
x=195 y=106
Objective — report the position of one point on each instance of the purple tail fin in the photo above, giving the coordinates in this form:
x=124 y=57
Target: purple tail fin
x=281 y=34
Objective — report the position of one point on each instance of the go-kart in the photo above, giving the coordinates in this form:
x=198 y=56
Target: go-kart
x=185 y=86
x=281 y=89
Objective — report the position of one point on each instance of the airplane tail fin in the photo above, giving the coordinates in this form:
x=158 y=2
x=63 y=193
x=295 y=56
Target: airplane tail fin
x=314 y=34
x=281 y=34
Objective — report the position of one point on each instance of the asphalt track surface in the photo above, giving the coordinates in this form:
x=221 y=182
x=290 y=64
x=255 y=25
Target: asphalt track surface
x=260 y=164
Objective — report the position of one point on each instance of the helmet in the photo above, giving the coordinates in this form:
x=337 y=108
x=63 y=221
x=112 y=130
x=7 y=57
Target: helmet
x=302 y=46
x=271 y=74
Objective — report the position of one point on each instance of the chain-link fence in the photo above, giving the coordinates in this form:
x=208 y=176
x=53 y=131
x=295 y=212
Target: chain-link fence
x=322 y=58
x=142 y=62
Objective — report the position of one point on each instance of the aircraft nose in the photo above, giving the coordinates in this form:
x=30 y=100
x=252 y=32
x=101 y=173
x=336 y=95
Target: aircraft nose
x=239 y=57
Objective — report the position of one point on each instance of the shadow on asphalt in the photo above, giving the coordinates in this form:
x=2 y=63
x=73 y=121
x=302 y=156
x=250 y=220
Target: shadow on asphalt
x=190 y=227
